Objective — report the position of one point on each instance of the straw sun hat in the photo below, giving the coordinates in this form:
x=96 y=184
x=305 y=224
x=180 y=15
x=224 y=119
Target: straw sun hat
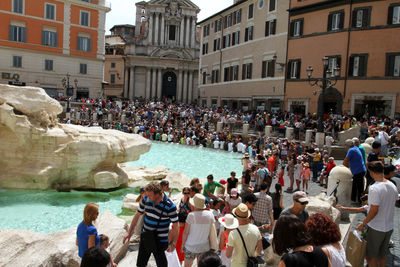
x=241 y=211
x=198 y=201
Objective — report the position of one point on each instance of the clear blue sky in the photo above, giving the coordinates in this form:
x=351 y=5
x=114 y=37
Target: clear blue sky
x=124 y=11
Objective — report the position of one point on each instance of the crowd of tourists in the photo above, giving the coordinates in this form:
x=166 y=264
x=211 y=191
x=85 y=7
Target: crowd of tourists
x=220 y=223
x=197 y=125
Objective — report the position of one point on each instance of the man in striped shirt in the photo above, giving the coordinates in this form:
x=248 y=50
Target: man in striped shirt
x=159 y=212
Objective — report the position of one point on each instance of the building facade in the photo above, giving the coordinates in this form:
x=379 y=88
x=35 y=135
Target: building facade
x=361 y=38
x=114 y=65
x=242 y=62
x=53 y=44
x=162 y=57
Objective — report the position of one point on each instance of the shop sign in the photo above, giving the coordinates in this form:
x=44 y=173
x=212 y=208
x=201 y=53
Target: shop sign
x=372 y=97
x=298 y=103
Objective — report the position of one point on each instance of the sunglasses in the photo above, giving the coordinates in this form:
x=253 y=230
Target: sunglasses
x=186 y=193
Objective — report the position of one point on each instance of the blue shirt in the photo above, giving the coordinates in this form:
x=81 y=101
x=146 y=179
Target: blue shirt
x=82 y=233
x=356 y=160
x=158 y=217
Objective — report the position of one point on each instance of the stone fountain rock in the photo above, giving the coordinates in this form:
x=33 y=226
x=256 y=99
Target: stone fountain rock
x=40 y=153
x=27 y=248
x=342 y=175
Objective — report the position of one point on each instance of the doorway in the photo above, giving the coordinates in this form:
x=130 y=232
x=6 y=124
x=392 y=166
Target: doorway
x=169 y=85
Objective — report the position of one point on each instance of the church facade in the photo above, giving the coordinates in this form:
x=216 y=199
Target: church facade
x=162 y=58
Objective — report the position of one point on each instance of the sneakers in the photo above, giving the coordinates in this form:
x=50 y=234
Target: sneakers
x=391 y=244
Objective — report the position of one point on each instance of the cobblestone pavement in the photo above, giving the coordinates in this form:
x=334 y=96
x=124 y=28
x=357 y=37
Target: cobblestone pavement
x=393 y=257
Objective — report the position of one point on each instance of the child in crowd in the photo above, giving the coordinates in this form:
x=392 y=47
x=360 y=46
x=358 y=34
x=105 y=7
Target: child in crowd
x=280 y=176
x=298 y=167
x=105 y=243
x=230 y=223
x=305 y=176
x=215 y=208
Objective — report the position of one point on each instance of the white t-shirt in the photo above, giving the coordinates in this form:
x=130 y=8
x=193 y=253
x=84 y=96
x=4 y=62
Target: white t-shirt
x=216 y=144
x=200 y=225
x=384 y=195
x=251 y=236
x=384 y=138
x=233 y=202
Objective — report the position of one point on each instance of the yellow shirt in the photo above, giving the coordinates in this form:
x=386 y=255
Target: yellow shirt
x=251 y=236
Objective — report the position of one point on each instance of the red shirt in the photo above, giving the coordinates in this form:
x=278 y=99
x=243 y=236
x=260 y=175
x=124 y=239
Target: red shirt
x=329 y=167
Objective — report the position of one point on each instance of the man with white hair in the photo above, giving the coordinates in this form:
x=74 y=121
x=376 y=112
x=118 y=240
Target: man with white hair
x=355 y=162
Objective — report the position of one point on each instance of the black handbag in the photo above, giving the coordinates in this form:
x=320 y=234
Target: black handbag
x=150 y=238
x=251 y=261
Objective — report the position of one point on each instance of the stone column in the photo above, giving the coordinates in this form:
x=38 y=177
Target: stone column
x=179 y=87
x=162 y=41
x=154 y=83
x=187 y=34
x=190 y=92
x=289 y=133
x=193 y=41
x=159 y=83
x=245 y=129
x=77 y=115
x=126 y=82
x=123 y=118
x=268 y=131
x=150 y=37
x=157 y=31
x=94 y=116
x=148 y=83
x=185 y=86
x=320 y=139
x=110 y=117
x=132 y=83
x=182 y=32
x=308 y=136
x=219 y=126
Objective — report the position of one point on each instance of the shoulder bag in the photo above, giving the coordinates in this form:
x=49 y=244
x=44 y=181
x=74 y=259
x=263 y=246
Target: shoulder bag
x=251 y=261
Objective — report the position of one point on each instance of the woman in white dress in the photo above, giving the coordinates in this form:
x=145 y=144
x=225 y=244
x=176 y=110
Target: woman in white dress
x=199 y=224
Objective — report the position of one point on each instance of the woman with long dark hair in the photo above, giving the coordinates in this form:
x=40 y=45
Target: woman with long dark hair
x=290 y=234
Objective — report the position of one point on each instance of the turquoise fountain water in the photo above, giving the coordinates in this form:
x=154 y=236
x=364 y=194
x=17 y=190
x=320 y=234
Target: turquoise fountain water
x=50 y=211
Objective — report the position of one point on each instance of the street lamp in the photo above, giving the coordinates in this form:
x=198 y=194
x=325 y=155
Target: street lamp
x=328 y=79
x=68 y=88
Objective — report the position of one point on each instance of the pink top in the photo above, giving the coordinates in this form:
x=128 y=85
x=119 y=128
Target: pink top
x=306 y=173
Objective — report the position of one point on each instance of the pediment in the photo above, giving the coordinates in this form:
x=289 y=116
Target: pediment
x=171 y=53
x=181 y=3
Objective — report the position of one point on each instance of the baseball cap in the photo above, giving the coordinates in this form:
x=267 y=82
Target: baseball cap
x=300 y=196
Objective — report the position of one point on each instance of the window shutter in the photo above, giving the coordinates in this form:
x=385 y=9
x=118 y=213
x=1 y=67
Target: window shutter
x=243 y=71
x=339 y=63
x=78 y=46
x=329 y=22
x=11 y=33
x=89 y=45
x=263 y=69
x=271 y=68
x=298 y=69
x=301 y=27
x=366 y=17
x=273 y=26
x=292 y=28
x=266 y=28
x=23 y=33
x=246 y=34
x=238 y=37
x=289 y=69
x=341 y=23
x=390 y=15
x=362 y=66
x=390 y=65
x=351 y=66
x=354 y=18
x=251 y=70
x=55 y=39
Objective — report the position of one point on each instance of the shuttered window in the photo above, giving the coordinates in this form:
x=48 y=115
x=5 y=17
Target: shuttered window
x=84 y=44
x=50 y=11
x=17 y=33
x=358 y=65
x=336 y=20
x=49 y=38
